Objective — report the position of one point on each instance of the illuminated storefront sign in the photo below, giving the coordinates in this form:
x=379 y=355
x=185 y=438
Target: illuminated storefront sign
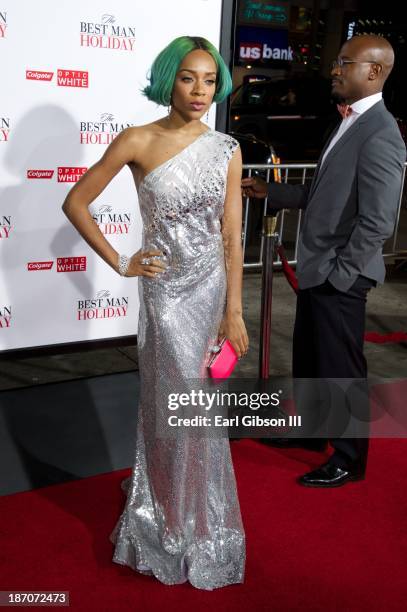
x=264 y=12
x=261 y=45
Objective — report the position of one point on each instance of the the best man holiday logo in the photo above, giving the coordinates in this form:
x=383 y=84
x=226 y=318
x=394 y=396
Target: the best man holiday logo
x=4 y=129
x=103 y=306
x=107 y=34
x=101 y=132
x=5 y=226
x=5 y=317
x=111 y=222
x=3 y=24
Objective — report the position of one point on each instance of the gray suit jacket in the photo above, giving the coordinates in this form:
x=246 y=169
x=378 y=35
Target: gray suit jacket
x=351 y=204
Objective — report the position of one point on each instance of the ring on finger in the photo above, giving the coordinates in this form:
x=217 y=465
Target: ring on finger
x=146 y=261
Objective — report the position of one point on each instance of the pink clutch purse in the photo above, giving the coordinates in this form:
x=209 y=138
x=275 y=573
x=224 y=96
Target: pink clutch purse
x=223 y=362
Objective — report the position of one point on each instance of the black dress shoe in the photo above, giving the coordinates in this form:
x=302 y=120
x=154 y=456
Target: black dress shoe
x=307 y=443
x=329 y=475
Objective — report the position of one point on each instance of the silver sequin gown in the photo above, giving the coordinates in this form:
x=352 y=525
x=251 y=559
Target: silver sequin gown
x=182 y=520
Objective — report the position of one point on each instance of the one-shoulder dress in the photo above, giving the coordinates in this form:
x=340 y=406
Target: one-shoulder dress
x=181 y=521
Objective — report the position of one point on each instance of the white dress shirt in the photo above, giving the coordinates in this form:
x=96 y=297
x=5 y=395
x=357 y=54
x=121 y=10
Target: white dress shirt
x=358 y=108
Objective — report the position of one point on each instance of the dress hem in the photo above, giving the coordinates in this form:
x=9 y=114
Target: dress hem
x=169 y=583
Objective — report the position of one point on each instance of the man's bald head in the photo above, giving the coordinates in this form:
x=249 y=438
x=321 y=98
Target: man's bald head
x=367 y=62
x=373 y=48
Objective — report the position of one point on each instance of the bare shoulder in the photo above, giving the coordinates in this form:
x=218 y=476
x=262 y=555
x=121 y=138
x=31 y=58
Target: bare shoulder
x=138 y=139
x=133 y=137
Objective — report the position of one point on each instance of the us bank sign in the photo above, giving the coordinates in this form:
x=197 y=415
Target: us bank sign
x=263 y=45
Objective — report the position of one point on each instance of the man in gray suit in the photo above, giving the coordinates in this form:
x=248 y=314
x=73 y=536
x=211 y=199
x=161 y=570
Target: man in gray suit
x=350 y=210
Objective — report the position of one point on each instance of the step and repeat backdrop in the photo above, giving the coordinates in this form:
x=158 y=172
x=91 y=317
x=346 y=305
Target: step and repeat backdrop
x=71 y=74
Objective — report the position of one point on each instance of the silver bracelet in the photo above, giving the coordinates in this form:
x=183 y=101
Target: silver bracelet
x=124 y=262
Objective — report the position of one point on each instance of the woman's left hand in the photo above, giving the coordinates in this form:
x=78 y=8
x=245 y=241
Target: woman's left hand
x=234 y=329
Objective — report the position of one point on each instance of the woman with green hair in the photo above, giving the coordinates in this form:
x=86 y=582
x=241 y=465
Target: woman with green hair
x=181 y=520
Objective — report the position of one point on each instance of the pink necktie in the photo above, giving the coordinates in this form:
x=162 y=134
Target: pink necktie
x=344 y=109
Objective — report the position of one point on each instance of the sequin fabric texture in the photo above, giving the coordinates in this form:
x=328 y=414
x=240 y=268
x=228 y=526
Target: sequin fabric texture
x=181 y=521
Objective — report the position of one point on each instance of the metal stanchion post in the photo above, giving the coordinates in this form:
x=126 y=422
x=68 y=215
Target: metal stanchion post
x=270 y=239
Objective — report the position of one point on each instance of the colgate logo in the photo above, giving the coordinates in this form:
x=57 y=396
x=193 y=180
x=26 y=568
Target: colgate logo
x=38 y=75
x=40 y=174
x=39 y=265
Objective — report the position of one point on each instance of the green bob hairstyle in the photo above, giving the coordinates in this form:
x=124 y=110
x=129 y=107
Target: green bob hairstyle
x=166 y=65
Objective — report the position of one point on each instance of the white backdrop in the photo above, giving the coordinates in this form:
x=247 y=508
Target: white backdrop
x=71 y=74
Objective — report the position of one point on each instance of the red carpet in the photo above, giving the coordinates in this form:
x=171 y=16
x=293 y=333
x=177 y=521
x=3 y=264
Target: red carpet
x=307 y=549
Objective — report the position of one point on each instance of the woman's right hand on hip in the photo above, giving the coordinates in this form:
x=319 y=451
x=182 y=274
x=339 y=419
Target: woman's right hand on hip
x=146 y=263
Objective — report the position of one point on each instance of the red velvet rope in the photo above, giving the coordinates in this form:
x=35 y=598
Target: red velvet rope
x=288 y=271
x=395 y=337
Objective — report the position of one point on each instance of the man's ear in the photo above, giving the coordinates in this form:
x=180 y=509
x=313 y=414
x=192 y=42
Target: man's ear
x=375 y=71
